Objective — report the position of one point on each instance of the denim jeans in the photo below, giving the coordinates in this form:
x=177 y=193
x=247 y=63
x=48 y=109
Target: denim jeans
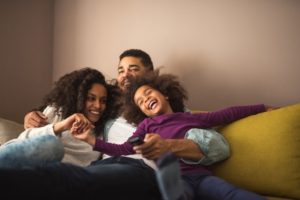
x=175 y=186
x=213 y=188
x=31 y=152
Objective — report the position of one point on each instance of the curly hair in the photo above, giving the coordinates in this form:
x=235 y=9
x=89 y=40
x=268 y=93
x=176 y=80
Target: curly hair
x=167 y=84
x=70 y=94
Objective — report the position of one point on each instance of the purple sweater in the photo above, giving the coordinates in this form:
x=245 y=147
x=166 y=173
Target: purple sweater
x=175 y=126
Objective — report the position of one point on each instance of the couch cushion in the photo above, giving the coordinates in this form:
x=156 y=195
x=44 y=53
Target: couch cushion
x=265 y=153
x=9 y=130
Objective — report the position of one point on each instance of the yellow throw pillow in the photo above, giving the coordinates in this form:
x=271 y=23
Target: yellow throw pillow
x=265 y=153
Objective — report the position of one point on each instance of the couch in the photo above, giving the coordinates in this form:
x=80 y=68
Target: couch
x=265 y=152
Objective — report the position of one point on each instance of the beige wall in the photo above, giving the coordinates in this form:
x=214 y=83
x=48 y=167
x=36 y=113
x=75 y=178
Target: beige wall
x=26 y=32
x=225 y=52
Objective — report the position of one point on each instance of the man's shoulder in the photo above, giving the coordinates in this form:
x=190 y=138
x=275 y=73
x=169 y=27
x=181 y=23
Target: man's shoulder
x=118 y=130
x=119 y=124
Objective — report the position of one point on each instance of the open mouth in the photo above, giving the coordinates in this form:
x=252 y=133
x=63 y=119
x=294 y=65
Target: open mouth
x=95 y=113
x=152 y=104
x=126 y=83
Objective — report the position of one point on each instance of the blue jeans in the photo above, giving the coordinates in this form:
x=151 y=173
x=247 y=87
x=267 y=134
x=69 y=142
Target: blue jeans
x=213 y=188
x=191 y=186
x=31 y=152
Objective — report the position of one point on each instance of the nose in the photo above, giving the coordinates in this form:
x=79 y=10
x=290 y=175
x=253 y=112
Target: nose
x=97 y=104
x=127 y=74
x=146 y=99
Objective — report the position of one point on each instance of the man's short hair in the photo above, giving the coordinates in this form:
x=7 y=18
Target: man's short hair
x=145 y=58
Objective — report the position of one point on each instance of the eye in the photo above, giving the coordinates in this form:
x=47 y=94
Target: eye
x=120 y=71
x=139 y=102
x=134 y=68
x=103 y=101
x=148 y=91
x=90 y=98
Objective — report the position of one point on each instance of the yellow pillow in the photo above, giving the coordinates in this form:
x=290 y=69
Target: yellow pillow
x=265 y=153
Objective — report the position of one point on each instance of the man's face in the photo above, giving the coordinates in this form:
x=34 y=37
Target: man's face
x=129 y=67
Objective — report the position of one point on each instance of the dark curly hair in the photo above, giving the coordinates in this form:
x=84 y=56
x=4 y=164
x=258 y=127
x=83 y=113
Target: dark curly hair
x=70 y=94
x=167 y=84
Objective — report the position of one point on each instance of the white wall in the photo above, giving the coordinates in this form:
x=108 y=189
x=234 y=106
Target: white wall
x=225 y=52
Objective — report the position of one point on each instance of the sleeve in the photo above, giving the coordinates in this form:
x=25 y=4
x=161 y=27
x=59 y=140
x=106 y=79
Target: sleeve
x=53 y=117
x=213 y=145
x=45 y=130
x=228 y=115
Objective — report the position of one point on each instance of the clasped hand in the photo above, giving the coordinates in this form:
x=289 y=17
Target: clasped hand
x=153 y=147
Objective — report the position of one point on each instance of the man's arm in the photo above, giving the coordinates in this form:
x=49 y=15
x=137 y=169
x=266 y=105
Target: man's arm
x=154 y=147
x=200 y=146
x=213 y=145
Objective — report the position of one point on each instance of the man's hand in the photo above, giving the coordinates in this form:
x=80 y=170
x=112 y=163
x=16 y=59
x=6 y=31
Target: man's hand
x=270 y=108
x=35 y=119
x=153 y=147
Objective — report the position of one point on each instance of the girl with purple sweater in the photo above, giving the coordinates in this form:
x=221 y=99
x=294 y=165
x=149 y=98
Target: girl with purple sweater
x=156 y=105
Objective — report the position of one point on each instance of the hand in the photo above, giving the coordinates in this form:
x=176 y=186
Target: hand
x=86 y=136
x=35 y=119
x=81 y=124
x=77 y=123
x=153 y=147
x=269 y=108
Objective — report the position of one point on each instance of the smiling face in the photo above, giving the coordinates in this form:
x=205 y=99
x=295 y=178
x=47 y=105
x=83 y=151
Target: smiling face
x=129 y=67
x=96 y=102
x=151 y=102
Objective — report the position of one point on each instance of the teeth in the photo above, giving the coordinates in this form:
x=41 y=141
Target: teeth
x=95 y=112
x=126 y=82
x=152 y=104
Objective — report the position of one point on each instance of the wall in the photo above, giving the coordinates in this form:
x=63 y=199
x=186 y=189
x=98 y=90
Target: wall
x=26 y=39
x=233 y=52
x=225 y=52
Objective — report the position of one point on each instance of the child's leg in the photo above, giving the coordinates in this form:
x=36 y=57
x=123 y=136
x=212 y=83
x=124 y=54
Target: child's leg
x=31 y=152
x=169 y=179
x=214 y=188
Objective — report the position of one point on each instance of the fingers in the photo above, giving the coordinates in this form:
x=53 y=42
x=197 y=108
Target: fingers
x=35 y=119
x=152 y=148
x=81 y=124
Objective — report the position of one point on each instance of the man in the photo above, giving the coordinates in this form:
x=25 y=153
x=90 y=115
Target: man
x=125 y=172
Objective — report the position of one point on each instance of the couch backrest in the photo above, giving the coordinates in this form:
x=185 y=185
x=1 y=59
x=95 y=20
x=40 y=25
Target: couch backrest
x=9 y=130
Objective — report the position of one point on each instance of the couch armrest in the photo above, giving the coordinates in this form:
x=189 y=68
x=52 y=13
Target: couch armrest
x=265 y=156
x=9 y=130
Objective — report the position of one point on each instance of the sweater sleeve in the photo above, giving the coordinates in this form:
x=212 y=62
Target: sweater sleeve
x=45 y=130
x=228 y=115
x=113 y=149
x=52 y=116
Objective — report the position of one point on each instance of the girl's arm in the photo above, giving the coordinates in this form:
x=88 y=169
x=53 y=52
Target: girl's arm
x=228 y=115
x=105 y=147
